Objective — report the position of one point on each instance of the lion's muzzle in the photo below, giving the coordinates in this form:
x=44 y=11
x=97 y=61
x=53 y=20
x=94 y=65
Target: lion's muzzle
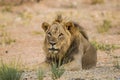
x=53 y=50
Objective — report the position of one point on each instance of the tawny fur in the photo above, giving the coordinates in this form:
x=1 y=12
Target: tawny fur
x=77 y=52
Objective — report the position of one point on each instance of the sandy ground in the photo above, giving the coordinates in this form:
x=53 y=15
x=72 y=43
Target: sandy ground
x=23 y=24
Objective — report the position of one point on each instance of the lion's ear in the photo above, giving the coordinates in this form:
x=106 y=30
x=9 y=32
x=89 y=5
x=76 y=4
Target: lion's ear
x=70 y=26
x=45 y=26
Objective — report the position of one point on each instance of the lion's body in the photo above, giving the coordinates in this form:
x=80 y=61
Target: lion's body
x=68 y=42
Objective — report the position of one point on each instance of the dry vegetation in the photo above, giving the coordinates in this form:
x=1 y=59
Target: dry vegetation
x=97 y=1
x=16 y=2
x=21 y=36
x=5 y=36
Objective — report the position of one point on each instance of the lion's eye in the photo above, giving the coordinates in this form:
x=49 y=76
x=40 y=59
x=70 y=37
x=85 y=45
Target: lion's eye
x=61 y=34
x=49 y=34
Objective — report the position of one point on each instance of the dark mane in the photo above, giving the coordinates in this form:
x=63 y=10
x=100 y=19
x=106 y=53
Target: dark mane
x=81 y=29
x=72 y=50
x=58 y=18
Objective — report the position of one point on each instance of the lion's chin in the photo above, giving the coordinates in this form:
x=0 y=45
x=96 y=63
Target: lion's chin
x=53 y=50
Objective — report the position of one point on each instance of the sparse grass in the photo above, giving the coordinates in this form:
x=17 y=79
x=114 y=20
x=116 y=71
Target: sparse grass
x=16 y=2
x=104 y=27
x=36 y=32
x=10 y=72
x=7 y=8
x=56 y=69
x=25 y=15
x=71 y=5
x=116 y=63
x=105 y=47
x=5 y=38
x=4 y=2
x=2 y=26
x=118 y=33
x=57 y=72
x=97 y=2
x=40 y=75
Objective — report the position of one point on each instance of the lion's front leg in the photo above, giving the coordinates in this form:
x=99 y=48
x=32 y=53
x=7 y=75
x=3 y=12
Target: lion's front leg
x=74 y=65
x=44 y=66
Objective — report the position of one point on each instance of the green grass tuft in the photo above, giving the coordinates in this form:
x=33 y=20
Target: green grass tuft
x=105 y=47
x=26 y=15
x=40 y=75
x=56 y=68
x=5 y=38
x=10 y=72
x=36 y=32
x=2 y=26
x=57 y=72
x=7 y=9
x=116 y=63
x=104 y=27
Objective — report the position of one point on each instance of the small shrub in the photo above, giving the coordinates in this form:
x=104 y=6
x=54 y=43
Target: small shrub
x=104 y=27
x=36 y=32
x=2 y=26
x=7 y=9
x=105 y=47
x=10 y=72
x=40 y=75
x=118 y=33
x=97 y=1
x=6 y=39
x=56 y=69
x=57 y=72
x=71 y=5
x=25 y=15
x=116 y=64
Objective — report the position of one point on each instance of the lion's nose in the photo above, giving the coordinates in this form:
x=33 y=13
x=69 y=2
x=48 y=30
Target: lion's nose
x=52 y=43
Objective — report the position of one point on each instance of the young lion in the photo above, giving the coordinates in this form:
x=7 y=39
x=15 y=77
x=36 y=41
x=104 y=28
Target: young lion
x=67 y=42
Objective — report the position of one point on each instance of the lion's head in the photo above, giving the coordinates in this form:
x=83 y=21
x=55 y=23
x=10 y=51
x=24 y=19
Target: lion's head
x=58 y=37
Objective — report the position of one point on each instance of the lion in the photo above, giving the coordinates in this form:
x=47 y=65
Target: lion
x=67 y=44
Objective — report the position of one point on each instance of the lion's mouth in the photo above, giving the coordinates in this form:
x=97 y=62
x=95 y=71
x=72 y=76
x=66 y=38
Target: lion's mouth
x=53 y=50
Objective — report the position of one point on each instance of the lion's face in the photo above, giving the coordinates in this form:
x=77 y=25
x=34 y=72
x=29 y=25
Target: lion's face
x=57 y=38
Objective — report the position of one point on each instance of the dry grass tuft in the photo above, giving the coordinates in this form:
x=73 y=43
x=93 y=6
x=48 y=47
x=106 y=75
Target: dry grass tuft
x=105 y=26
x=5 y=37
x=105 y=47
x=97 y=2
